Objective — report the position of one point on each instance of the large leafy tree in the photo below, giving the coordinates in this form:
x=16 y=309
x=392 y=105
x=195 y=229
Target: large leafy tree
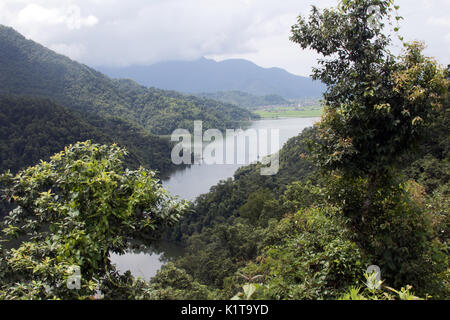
x=376 y=104
x=70 y=213
x=377 y=109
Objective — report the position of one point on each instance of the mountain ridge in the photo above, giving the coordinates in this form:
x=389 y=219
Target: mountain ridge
x=209 y=76
x=244 y=99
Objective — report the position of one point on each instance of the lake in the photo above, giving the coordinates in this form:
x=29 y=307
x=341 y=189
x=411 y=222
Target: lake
x=197 y=179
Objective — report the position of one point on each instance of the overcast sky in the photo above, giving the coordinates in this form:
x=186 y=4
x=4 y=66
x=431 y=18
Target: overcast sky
x=118 y=32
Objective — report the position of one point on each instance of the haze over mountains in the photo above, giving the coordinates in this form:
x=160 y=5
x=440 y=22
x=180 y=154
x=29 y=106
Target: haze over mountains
x=31 y=129
x=209 y=76
x=28 y=68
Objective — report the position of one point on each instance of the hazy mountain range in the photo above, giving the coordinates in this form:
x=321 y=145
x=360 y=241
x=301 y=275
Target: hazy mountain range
x=209 y=76
x=245 y=99
x=28 y=68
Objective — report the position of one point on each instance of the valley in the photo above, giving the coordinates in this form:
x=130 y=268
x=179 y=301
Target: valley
x=193 y=181
x=142 y=159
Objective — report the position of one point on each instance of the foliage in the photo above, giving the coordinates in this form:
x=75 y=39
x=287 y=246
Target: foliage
x=431 y=168
x=361 y=211
x=170 y=283
x=388 y=294
x=224 y=200
x=253 y=209
x=32 y=129
x=404 y=238
x=219 y=251
x=72 y=212
x=313 y=258
x=246 y=100
x=376 y=105
x=374 y=290
x=207 y=75
x=215 y=254
x=251 y=290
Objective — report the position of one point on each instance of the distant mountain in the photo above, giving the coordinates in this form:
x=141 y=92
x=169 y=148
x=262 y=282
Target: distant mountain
x=205 y=75
x=27 y=68
x=244 y=99
x=32 y=129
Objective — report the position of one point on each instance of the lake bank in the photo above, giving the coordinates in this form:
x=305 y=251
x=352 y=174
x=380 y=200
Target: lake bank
x=194 y=180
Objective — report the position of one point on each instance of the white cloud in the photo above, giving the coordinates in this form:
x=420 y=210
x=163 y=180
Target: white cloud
x=74 y=51
x=117 y=32
x=34 y=14
x=440 y=21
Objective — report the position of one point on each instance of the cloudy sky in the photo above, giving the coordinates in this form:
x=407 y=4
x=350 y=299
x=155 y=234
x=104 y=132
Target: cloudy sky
x=118 y=32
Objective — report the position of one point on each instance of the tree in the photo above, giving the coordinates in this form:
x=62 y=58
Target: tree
x=377 y=109
x=376 y=104
x=253 y=209
x=70 y=213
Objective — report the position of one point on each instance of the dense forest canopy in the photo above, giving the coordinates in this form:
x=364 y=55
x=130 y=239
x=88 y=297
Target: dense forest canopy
x=372 y=188
x=32 y=129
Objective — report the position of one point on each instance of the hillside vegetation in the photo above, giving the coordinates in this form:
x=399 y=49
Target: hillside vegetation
x=366 y=188
x=27 y=68
x=377 y=194
x=246 y=100
x=32 y=129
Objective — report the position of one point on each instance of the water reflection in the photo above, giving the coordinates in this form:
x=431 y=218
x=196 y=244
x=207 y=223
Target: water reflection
x=198 y=179
x=191 y=182
x=145 y=263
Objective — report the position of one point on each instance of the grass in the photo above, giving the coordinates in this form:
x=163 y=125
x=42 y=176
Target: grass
x=289 y=112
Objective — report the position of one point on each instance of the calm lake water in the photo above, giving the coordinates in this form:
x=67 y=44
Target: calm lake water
x=195 y=180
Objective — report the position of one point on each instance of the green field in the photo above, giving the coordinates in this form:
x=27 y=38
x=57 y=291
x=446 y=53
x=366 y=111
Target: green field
x=289 y=112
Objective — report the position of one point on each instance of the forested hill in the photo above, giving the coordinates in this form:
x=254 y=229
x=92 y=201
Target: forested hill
x=244 y=99
x=32 y=129
x=27 y=68
x=205 y=75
